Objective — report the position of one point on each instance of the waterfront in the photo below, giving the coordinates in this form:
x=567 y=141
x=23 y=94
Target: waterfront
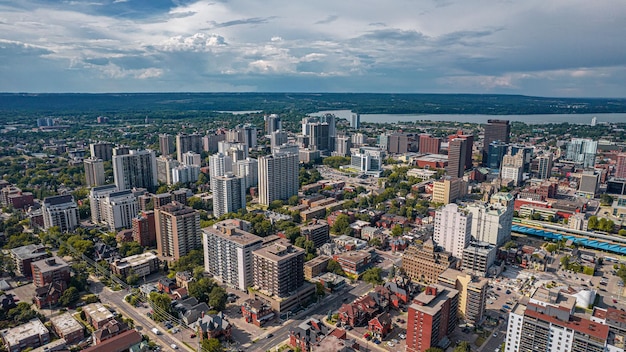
x=529 y=119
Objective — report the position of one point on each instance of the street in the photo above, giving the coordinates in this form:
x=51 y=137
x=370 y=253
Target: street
x=142 y=323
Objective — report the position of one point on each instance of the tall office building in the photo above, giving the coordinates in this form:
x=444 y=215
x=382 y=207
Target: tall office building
x=398 y=143
x=249 y=170
x=330 y=119
x=469 y=147
x=456 y=157
x=137 y=169
x=278 y=177
x=343 y=144
x=228 y=254
x=620 y=166
x=119 y=209
x=165 y=165
x=582 y=151
x=368 y=160
x=166 y=144
x=430 y=144
x=426 y=262
x=219 y=165
x=478 y=258
x=472 y=294
x=186 y=143
x=229 y=194
x=513 y=173
x=544 y=169
x=278 y=138
x=272 y=124
x=101 y=150
x=94 y=172
x=177 y=230
x=61 y=211
x=278 y=268
x=249 y=132
x=495 y=153
x=320 y=136
x=496 y=130
x=432 y=317
x=453 y=229
x=355 y=121
x=491 y=223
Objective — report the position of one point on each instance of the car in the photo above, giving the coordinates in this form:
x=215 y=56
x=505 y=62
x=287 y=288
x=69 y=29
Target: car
x=508 y=292
x=173 y=346
x=402 y=336
x=614 y=301
x=390 y=344
x=499 y=289
x=348 y=327
x=495 y=334
x=269 y=336
x=376 y=342
x=192 y=336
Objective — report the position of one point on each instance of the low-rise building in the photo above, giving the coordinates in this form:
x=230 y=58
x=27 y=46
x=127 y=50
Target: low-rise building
x=354 y=263
x=29 y=335
x=23 y=256
x=478 y=257
x=256 y=311
x=426 y=262
x=307 y=334
x=318 y=232
x=50 y=270
x=120 y=343
x=68 y=328
x=140 y=264
x=97 y=315
x=315 y=266
x=213 y=326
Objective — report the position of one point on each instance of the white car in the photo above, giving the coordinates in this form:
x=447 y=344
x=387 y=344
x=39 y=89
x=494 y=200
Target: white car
x=390 y=344
x=173 y=346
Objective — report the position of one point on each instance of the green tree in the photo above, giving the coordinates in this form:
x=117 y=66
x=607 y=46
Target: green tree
x=592 y=224
x=217 y=298
x=434 y=349
x=212 y=345
x=334 y=267
x=342 y=222
x=319 y=289
x=373 y=276
x=606 y=199
x=463 y=346
x=622 y=232
x=130 y=248
x=510 y=244
x=69 y=297
x=200 y=289
x=132 y=279
x=336 y=161
x=293 y=200
x=397 y=230
x=163 y=304
x=375 y=242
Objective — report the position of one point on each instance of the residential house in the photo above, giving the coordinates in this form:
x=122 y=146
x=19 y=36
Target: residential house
x=256 y=311
x=307 y=334
x=380 y=325
x=213 y=326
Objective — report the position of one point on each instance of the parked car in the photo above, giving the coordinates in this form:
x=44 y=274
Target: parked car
x=173 y=346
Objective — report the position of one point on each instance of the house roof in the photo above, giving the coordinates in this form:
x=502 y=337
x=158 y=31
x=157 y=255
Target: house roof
x=117 y=343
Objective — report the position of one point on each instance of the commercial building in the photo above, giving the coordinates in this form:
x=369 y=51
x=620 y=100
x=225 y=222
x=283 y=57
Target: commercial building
x=495 y=130
x=426 y=262
x=431 y=318
x=589 y=184
x=343 y=144
x=61 y=211
x=469 y=147
x=582 y=151
x=140 y=264
x=130 y=340
x=620 y=166
x=118 y=209
x=472 y=294
x=228 y=254
x=186 y=143
x=315 y=266
x=355 y=262
x=368 y=160
x=23 y=256
x=50 y=270
x=229 y=194
x=453 y=229
x=448 y=190
x=29 y=335
x=177 y=230
x=137 y=169
x=278 y=177
x=429 y=144
x=495 y=153
x=68 y=328
x=318 y=232
x=491 y=222
x=478 y=257
x=94 y=172
x=278 y=138
x=144 y=230
x=512 y=173
x=278 y=268
x=544 y=166
x=101 y=150
x=166 y=144
x=456 y=157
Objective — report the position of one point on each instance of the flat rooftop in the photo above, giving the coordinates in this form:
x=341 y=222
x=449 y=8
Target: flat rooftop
x=50 y=264
x=19 y=333
x=66 y=323
x=233 y=234
x=97 y=312
x=135 y=260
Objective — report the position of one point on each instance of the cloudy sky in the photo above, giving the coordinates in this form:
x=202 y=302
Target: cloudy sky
x=560 y=48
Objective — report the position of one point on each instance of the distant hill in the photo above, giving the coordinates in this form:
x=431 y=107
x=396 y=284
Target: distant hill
x=55 y=104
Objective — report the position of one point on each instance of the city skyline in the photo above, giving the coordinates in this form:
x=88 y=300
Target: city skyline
x=561 y=49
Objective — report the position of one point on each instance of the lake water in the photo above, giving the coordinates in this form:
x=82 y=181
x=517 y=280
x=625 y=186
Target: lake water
x=529 y=119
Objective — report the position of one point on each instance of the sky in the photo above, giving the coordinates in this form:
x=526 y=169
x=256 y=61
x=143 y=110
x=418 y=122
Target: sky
x=556 y=48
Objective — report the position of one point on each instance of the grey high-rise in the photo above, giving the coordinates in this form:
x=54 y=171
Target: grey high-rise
x=136 y=169
x=495 y=130
x=278 y=177
x=457 y=150
x=188 y=143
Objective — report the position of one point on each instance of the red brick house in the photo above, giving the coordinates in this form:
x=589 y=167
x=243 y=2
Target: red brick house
x=214 y=327
x=256 y=311
x=48 y=295
x=380 y=326
x=307 y=334
x=166 y=285
x=359 y=312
